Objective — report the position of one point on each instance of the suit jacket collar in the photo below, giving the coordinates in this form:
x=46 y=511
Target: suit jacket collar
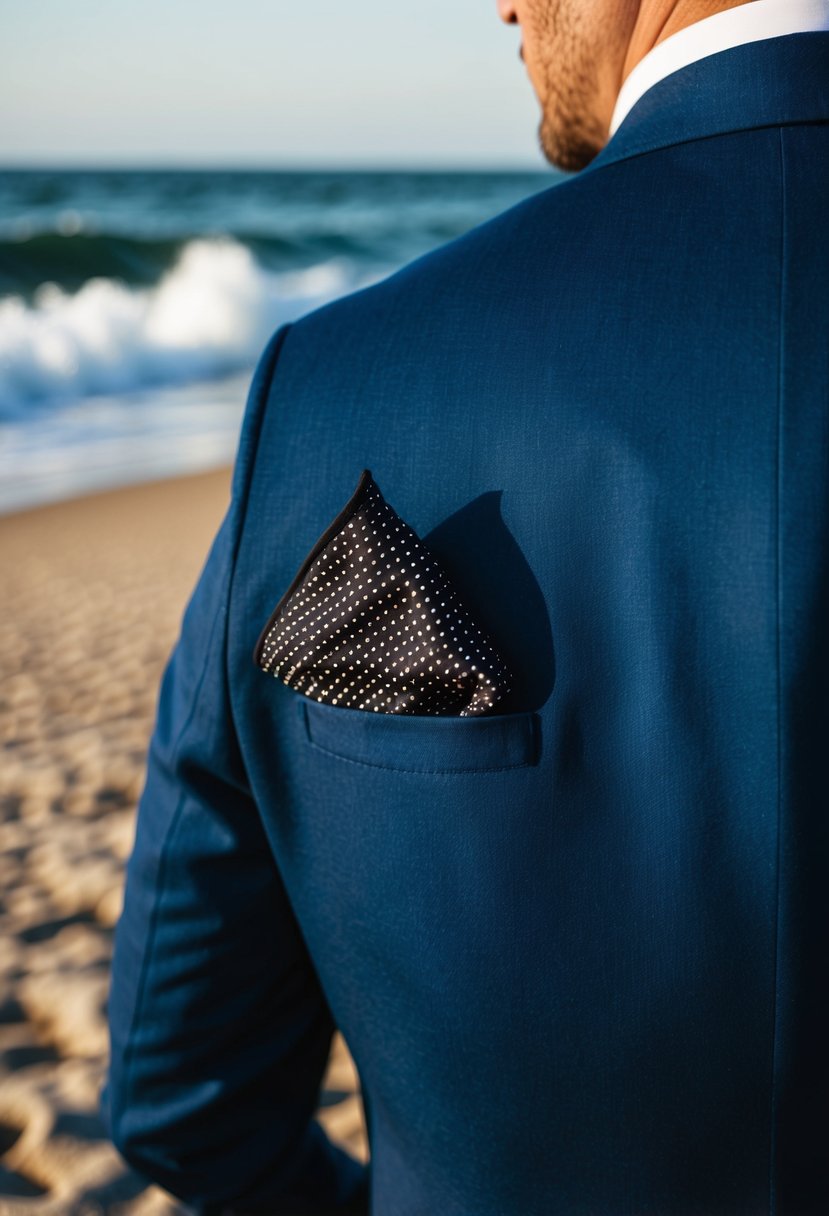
x=759 y=84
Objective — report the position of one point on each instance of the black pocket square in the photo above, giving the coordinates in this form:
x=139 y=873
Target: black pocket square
x=371 y=621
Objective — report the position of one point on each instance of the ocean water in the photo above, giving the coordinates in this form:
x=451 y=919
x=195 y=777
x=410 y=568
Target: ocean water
x=134 y=304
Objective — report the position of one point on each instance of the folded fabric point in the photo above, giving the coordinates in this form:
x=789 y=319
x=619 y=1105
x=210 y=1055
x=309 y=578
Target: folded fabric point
x=371 y=621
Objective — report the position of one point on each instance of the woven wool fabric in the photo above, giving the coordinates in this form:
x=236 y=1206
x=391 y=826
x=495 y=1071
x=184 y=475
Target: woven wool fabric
x=371 y=621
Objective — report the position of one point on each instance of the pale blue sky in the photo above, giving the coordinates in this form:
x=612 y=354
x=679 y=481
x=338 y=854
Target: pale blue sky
x=265 y=82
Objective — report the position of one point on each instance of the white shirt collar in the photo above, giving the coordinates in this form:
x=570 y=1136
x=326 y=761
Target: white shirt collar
x=749 y=22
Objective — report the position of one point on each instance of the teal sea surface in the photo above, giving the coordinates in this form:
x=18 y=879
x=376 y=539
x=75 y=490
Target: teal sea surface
x=134 y=303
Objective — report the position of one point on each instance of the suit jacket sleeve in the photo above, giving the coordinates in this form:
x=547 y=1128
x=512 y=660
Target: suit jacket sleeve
x=219 y=1029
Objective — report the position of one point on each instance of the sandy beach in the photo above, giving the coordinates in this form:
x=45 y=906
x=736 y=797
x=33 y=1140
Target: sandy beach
x=91 y=599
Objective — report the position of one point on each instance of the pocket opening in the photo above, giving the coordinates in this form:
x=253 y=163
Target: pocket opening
x=421 y=743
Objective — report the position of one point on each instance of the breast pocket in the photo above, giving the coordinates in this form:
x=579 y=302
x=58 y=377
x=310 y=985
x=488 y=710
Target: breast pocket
x=436 y=745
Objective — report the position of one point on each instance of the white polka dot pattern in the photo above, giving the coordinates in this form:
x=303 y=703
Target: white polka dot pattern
x=371 y=621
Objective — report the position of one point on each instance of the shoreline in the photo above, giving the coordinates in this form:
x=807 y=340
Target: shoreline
x=105 y=442
x=121 y=490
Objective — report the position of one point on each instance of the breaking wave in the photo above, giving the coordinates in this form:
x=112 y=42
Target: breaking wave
x=209 y=314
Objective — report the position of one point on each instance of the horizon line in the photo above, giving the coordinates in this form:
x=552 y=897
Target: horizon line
x=262 y=166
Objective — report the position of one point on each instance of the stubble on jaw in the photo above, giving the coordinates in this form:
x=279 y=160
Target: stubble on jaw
x=569 y=133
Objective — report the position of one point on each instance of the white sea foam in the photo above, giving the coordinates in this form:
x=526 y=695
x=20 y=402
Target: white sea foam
x=209 y=316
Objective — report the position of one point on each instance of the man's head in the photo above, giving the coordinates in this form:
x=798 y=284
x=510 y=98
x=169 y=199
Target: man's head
x=578 y=54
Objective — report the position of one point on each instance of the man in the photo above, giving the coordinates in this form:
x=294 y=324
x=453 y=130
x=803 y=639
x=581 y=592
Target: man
x=577 y=944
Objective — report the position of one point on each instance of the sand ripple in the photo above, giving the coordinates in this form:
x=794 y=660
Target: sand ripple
x=90 y=603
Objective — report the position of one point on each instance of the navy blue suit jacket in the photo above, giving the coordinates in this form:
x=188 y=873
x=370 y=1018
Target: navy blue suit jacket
x=580 y=960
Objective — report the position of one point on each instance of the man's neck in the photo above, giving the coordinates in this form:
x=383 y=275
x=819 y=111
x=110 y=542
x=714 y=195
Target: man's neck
x=717 y=31
x=659 y=19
